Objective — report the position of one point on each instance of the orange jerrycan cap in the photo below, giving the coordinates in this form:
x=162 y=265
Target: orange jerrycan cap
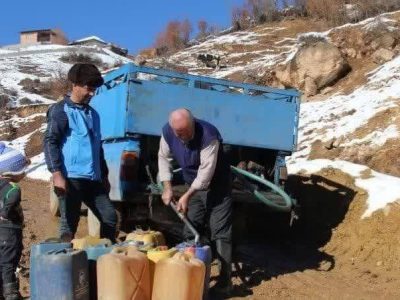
x=191 y=251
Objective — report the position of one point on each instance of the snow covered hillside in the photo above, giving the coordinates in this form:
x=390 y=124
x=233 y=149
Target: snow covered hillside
x=352 y=125
x=37 y=63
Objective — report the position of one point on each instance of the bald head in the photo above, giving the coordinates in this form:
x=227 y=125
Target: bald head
x=182 y=123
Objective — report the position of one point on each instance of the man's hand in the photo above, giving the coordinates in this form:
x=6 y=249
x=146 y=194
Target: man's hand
x=59 y=183
x=167 y=196
x=182 y=205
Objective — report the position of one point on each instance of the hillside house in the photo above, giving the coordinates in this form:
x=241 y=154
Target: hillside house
x=98 y=42
x=90 y=41
x=43 y=36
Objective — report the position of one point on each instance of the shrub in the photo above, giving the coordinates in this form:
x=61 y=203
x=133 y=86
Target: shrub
x=29 y=85
x=202 y=27
x=310 y=38
x=75 y=57
x=336 y=12
x=3 y=101
x=57 y=86
x=25 y=101
x=53 y=88
x=12 y=92
x=240 y=18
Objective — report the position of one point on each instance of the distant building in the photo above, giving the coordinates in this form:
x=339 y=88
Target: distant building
x=90 y=41
x=96 y=41
x=43 y=36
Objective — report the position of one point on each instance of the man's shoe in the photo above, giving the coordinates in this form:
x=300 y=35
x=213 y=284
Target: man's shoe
x=11 y=291
x=1 y=293
x=223 y=287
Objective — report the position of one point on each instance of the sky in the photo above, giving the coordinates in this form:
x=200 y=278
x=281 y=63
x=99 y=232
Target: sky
x=129 y=23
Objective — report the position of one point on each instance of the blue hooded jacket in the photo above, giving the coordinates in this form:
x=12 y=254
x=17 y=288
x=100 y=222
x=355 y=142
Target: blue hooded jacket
x=72 y=142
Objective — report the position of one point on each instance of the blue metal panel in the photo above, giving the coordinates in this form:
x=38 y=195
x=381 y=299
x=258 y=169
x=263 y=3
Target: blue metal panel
x=113 y=150
x=110 y=103
x=242 y=120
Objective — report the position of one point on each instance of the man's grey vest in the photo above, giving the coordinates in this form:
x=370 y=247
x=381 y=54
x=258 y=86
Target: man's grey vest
x=188 y=155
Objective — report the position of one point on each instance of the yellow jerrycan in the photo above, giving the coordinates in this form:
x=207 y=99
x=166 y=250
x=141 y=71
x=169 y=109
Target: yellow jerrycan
x=156 y=254
x=155 y=238
x=89 y=241
x=123 y=274
x=180 y=277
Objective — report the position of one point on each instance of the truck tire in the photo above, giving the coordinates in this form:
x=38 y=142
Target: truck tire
x=54 y=205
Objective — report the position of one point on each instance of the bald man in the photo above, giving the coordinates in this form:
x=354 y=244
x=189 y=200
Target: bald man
x=196 y=146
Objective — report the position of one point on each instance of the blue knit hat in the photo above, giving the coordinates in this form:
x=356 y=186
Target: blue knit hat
x=12 y=161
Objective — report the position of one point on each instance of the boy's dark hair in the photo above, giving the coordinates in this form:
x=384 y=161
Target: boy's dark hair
x=85 y=74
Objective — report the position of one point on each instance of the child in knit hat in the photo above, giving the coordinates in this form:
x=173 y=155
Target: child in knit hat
x=12 y=169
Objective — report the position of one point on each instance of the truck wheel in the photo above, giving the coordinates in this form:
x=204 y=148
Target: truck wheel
x=54 y=205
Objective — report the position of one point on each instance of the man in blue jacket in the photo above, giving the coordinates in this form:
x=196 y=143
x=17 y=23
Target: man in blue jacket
x=74 y=155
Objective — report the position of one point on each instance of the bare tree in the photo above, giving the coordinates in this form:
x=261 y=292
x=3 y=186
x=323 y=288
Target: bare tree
x=202 y=26
x=175 y=37
x=185 y=31
x=241 y=18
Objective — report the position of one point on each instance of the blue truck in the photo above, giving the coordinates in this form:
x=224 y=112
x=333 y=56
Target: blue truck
x=258 y=124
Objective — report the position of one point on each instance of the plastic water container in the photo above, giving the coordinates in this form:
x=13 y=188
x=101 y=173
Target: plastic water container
x=155 y=238
x=123 y=274
x=160 y=252
x=93 y=253
x=205 y=255
x=62 y=274
x=39 y=249
x=180 y=277
x=89 y=241
x=155 y=255
x=141 y=246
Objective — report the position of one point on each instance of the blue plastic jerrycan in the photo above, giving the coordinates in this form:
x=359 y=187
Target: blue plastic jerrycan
x=63 y=274
x=93 y=253
x=39 y=249
x=205 y=255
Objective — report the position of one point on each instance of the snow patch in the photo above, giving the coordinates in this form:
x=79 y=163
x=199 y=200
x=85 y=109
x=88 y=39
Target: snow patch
x=38 y=168
x=376 y=138
x=382 y=189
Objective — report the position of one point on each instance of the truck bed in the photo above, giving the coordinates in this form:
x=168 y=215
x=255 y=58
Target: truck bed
x=138 y=100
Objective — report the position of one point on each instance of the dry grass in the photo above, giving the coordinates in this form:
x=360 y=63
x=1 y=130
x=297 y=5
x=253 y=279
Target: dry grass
x=55 y=88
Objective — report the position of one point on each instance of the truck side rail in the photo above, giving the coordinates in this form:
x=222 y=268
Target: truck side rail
x=133 y=72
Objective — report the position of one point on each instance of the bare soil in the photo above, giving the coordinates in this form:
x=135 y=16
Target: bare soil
x=329 y=254
x=384 y=159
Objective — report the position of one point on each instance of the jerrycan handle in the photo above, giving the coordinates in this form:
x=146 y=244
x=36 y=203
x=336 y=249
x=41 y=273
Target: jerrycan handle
x=187 y=223
x=123 y=250
x=52 y=240
x=120 y=250
x=140 y=230
x=65 y=250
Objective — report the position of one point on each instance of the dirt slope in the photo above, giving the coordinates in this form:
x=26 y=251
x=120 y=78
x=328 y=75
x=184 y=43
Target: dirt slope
x=330 y=254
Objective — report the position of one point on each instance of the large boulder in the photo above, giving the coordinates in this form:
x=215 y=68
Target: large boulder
x=314 y=66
